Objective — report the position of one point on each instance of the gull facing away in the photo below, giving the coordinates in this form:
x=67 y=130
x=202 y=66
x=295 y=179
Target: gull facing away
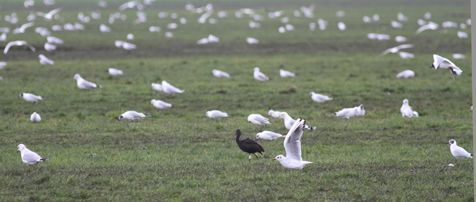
x=292 y=146
x=443 y=63
x=247 y=145
x=44 y=60
x=30 y=97
x=29 y=157
x=274 y=114
x=351 y=112
x=159 y=104
x=258 y=119
x=220 y=74
x=170 y=89
x=84 y=84
x=319 y=98
x=258 y=75
x=457 y=151
x=405 y=74
x=131 y=116
x=407 y=111
x=268 y=135
x=17 y=43
x=284 y=73
x=114 y=72
x=35 y=117
x=216 y=114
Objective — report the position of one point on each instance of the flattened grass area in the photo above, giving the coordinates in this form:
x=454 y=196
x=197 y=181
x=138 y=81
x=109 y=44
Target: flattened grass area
x=179 y=154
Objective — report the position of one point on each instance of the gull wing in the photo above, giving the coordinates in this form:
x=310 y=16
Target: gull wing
x=460 y=151
x=30 y=156
x=292 y=142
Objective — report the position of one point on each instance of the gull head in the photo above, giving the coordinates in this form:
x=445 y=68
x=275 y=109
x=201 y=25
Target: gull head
x=21 y=95
x=120 y=117
x=452 y=141
x=76 y=76
x=256 y=69
x=279 y=157
x=21 y=147
x=405 y=101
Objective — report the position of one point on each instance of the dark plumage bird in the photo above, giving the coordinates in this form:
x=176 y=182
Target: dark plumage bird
x=247 y=145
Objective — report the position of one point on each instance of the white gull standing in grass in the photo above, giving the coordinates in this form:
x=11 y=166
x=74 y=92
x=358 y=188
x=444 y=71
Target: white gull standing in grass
x=284 y=73
x=407 y=111
x=29 y=157
x=170 y=89
x=319 y=98
x=159 y=104
x=268 y=135
x=292 y=146
x=216 y=114
x=258 y=75
x=405 y=74
x=351 y=112
x=30 y=97
x=220 y=74
x=457 y=151
x=114 y=72
x=35 y=117
x=84 y=84
x=258 y=119
x=44 y=60
x=131 y=116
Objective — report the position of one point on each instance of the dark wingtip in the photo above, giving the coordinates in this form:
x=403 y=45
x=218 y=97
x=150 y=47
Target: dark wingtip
x=43 y=159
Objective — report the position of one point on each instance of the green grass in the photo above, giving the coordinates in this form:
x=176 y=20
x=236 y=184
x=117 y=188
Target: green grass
x=180 y=155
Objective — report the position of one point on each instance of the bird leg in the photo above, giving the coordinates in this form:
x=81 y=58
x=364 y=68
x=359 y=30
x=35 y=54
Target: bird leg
x=249 y=157
x=256 y=155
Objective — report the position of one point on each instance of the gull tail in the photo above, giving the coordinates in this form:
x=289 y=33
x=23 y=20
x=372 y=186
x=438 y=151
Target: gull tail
x=43 y=159
x=306 y=162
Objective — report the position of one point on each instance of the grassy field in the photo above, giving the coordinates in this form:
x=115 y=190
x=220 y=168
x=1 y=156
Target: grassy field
x=180 y=155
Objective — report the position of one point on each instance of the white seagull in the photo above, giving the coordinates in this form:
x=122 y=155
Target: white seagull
x=292 y=146
x=284 y=73
x=29 y=97
x=170 y=89
x=49 y=16
x=17 y=43
x=268 y=135
x=29 y=157
x=275 y=114
x=443 y=63
x=114 y=72
x=220 y=74
x=84 y=84
x=157 y=87
x=405 y=74
x=258 y=75
x=131 y=116
x=35 y=117
x=457 y=151
x=319 y=98
x=258 y=119
x=159 y=104
x=396 y=49
x=407 y=111
x=44 y=60
x=216 y=114
x=289 y=121
x=351 y=112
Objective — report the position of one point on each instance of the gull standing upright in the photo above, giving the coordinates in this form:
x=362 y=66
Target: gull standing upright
x=35 y=117
x=407 y=111
x=457 y=151
x=319 y=98
x=44 y=60
x=258 y=119
x=30 y=97
x=29 y=157
x=258 y=75
x=84 y=84
x=292 y=146
x=443 y=63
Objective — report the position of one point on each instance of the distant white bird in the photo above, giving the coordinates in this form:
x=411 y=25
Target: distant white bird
x=84 y=84
x=443 y=63
x=22 y=28
x=292 y=146
x=220 y=74
x=49 y=47
x=396 y=24
x=104 y=28
x=258 y=75
x=35 y=117
x=396 y=49
x=462 y=35
x=54 y=40
x=50 y=15
x=268 y=135
x=251 y=40
x=131 y=116
x=29 y=157
x=405 y=74
x=114 y=72
x=30 y=97
x=458 y=56
x=289 y=121
x=3 y=36
x=319 y=98
x=216 y=114
x=457 y=151
x=159 y=104
x=258 y=119
x=406 y=55
x=170 y=89
x=400 y=39
x=341 y=26
x=3 y=64
x=428 y=26
x=157 y=87
x=407 y=111
x=130 y=37
x=44 y=60
x=17 y=43
x=284 y=73
x=351 y=112
x=274 y=114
